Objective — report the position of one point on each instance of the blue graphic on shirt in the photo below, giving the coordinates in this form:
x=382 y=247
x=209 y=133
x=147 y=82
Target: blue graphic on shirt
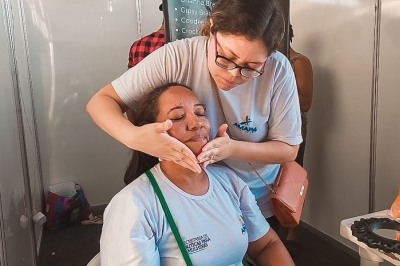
x=244 y=228
x=245 y=125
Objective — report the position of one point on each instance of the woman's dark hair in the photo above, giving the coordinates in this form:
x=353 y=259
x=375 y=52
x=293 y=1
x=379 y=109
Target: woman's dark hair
x=146 y=113
x=291 y=35
x=255 y=19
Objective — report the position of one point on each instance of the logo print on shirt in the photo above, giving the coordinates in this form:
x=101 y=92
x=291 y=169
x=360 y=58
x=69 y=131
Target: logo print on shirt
x=197 y=244
x=244 y=228
x=245 y=125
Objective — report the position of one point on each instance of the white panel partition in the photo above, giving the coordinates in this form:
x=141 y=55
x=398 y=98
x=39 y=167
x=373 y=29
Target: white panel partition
x=17 y=244
x=76 y=48
x=338 y=37
x=388 y=140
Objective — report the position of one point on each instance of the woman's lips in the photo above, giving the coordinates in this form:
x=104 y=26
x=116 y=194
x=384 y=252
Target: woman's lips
x=198 y=138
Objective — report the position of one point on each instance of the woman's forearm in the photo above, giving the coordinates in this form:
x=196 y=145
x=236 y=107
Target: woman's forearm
x=269 y=250
x=265 y=152
x=106 y=110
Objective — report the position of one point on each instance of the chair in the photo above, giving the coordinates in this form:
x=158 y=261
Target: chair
x=95 y=261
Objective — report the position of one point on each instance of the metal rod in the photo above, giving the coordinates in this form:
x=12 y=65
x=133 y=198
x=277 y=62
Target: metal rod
x=374 y=107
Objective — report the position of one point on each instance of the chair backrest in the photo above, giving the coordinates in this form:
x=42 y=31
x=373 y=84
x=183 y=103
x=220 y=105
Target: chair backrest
x=96 y=261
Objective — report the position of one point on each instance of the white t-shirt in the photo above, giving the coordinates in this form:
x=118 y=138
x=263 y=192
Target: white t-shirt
x=215 y=227
x=265 y=108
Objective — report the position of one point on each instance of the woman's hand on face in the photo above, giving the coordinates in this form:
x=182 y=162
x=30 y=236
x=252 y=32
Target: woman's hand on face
x=155 y=140
x=217 y=149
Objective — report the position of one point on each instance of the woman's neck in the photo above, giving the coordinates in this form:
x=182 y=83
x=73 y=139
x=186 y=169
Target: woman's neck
x=191 y=182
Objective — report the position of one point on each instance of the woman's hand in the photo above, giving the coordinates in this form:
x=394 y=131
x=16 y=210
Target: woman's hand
x=153 y=139
x=217 y=149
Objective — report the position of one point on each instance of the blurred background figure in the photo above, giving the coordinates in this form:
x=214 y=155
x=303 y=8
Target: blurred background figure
x=142 y=48
x=304 y=78
x=303 y=72
x=146 y=45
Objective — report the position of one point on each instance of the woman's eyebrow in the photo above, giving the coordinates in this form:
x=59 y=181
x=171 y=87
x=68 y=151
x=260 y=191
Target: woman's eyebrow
x=230 y=51
x=174 y=108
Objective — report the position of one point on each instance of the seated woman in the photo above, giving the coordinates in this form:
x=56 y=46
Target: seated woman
x=215 y=212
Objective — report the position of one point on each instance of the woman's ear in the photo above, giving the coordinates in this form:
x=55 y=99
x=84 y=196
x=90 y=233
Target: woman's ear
x=211 y=22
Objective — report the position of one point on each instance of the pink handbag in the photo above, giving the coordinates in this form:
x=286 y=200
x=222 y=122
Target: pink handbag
x=290 y=188
x=288 y=193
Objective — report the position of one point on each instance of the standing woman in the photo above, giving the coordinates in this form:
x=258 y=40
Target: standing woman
x=237 y=72
x=303 y=72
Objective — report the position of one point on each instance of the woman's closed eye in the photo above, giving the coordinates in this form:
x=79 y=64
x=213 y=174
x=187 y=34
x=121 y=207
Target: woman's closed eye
x=179 y=113
x=200 y=112
x=176 y=118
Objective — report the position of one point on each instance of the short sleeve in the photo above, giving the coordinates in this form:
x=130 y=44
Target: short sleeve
x=285 y=120
x=127 y=237
x=257 y=225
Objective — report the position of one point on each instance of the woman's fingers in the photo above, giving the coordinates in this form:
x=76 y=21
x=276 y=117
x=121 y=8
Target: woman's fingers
x=163 y=127
x=210 y=154
x=180 y=154
x=185 y=157
x=222 y=130
x=217 y=149
x=155 y=140
x=211 y=159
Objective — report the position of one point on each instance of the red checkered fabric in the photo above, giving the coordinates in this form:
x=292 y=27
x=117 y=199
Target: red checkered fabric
x=144 y=46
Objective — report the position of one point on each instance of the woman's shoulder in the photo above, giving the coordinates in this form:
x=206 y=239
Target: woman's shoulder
x=279 y=59
x=194 y=44
x=197 y=40
x=303 y=61
x=139 y=190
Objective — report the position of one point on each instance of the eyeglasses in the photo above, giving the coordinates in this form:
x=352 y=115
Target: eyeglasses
x=226 y=63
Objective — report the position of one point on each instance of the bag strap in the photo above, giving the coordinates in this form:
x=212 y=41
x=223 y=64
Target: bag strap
x=265 y=183
x=170 y=219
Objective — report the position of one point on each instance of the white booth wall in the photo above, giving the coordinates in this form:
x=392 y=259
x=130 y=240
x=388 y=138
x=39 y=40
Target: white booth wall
x=339 y=37
x=77 y=48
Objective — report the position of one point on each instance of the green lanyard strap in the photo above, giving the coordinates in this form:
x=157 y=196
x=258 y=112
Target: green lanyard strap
x=170 y=219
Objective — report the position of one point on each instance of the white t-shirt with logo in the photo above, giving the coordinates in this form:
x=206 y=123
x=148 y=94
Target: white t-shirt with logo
x=262 y=109
x=215 y=227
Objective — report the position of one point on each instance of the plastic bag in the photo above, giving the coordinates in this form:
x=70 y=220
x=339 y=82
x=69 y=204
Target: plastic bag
x=66 y=204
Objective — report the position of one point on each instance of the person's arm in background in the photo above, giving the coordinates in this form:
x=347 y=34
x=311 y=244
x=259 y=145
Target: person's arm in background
x=304 y=79
x=106 y=109
x=269 y=250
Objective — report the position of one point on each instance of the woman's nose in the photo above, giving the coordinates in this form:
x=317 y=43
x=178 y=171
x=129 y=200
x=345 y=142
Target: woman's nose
x=235 y=72
x=194 y=122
